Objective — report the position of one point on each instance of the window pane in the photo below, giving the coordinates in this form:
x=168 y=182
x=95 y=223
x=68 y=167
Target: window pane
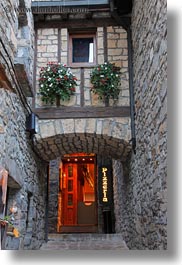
x=70 y=171
x=70 y=199
x=70 y=185
x=82 y=50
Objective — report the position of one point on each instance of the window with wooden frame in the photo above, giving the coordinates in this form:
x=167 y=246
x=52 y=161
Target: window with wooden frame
x=82 y=49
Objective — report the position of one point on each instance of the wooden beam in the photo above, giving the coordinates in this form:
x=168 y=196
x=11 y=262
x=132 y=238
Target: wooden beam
x=81 y=112
x=82 y=87
x=77 y=23
x=4 y=80
x=59 y=45
x=125 y=22
x=23 y=78
x=35 y=66
x=105 y=45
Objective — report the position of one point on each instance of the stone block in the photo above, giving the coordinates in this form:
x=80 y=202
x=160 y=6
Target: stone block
x=80 y=125
x=114 y=52
x=41 y=48
x=47 y=129
x=90 y=125
x=27 y=240
x=47 y=32
x=51 y=55
x=42 y=60
x=2 y=129
x=52 y=37
x=52 y=48
x=112 y=44
x=68 y=126
x=58 y=127
x=45 y=42
x=64 y=32
x=122 y=43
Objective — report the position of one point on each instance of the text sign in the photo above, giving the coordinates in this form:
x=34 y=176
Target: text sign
x=104 y=185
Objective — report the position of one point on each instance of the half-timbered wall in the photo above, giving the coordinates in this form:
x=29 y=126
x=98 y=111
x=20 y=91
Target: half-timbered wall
x=52 y=46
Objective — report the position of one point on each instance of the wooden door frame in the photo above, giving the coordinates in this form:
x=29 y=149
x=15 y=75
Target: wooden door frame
x=81 y=227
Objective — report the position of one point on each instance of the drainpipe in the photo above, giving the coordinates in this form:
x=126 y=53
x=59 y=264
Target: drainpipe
x=131 y=88
x=125 y=22
x=47 y=205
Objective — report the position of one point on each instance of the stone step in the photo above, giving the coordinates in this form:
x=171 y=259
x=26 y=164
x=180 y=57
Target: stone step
x=85 y=242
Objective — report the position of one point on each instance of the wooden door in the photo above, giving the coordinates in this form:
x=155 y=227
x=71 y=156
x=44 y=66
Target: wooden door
x=70 y=194
x=77 y=206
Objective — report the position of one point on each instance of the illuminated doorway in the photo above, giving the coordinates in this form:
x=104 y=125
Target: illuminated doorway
x=77 y=202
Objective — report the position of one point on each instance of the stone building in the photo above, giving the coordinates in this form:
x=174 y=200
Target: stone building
x=90 y=167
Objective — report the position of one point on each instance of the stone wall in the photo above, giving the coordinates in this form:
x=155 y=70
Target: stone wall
x=26 y=171
x=26 y=180
x=143 y=213
x=25 y=39
x=53 y=217
x=17 y=44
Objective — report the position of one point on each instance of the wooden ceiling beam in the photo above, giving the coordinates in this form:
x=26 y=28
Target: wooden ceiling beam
x=76 y=23
x=82 y=112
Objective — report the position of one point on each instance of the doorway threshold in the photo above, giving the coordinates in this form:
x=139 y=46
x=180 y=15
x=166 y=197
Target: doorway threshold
x=79 y=229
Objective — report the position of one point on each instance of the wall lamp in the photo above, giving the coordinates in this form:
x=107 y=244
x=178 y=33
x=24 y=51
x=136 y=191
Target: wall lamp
x=32 y=123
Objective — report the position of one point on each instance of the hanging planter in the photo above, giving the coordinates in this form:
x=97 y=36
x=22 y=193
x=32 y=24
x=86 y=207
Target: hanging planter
x=10 y=230
x=106 y=80
x=56 y=83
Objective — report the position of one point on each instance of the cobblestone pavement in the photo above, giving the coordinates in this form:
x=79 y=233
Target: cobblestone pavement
x=85 y=242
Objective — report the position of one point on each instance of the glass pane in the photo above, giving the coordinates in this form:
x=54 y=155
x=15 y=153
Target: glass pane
x=70 y=199
x=83 y=50
x=70 y=185
x=82 y=2
x=70 y=171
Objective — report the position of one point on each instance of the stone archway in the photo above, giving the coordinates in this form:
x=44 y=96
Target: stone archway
x=106 y=137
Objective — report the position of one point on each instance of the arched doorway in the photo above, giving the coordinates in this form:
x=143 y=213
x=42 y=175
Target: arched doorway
x=81 y=194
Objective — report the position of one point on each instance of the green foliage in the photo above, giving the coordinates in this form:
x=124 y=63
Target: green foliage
x=56 y=81
x=7 y=219
x=106 y=81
